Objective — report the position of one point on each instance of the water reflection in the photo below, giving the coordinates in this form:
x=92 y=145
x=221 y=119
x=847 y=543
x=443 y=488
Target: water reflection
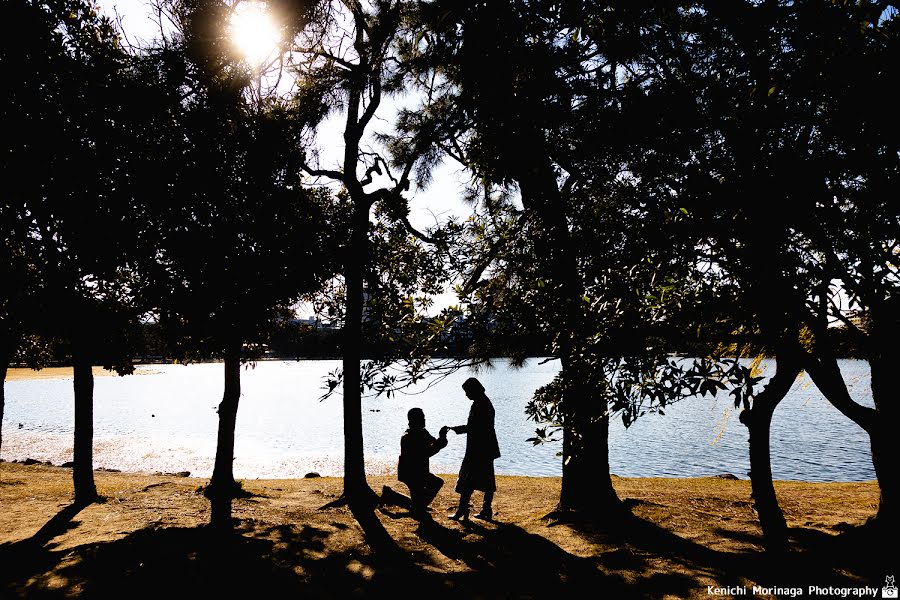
x=166 y=421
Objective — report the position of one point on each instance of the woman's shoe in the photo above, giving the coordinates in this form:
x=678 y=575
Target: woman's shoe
x=459 y=515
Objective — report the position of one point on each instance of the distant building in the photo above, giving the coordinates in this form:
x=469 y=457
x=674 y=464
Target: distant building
x=314 y=323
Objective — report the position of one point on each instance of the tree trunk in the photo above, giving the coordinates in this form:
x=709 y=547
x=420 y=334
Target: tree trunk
x=883 y=360
x=357 y=492
x=6 y=353
x=884 y=459
x=826 y=374
x=586 y=481
x=222 y=488
x=4 y=365
x=878 y=422
x=83 y=470
x=758 y=420
x=504 y=111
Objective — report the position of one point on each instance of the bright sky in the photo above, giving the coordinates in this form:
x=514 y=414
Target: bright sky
x=438 y=202
x=137 y=18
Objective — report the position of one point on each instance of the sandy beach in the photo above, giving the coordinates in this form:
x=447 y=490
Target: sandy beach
x=26 y=374
x=149 y=537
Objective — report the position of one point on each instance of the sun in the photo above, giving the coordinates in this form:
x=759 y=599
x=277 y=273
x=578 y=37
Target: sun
x=255 y=32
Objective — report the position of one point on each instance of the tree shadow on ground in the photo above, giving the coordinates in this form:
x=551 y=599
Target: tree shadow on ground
x=35 y=554
x=278 y=561
x=507 y=561
x=56 y=526
x=295 y=560
x=815 y=557
x=256 y=560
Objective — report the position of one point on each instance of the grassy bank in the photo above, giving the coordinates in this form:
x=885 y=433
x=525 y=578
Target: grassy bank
x=148 y=539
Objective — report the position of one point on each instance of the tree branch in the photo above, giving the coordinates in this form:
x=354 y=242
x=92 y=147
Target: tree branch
x=328 y=56
x=374 y=102
x=336 y=175
x=418 y=234
x=827 y=377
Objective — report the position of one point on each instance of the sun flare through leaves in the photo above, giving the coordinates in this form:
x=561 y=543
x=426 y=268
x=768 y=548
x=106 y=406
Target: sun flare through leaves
x=255 y=32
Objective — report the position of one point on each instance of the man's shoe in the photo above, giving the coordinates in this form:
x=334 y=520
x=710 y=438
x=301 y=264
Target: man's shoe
x=459 y=515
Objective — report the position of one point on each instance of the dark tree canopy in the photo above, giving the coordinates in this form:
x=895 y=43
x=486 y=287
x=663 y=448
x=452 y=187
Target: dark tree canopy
x=645 y=179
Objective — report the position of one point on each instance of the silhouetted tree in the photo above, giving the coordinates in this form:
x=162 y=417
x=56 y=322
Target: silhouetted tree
x=670 y=109
x=232 y=238
x=64 y=104
x=348 y=62
x=504 y=83
x=20 y=275
x=855 y=241
x=773 y=147
x=588 y=263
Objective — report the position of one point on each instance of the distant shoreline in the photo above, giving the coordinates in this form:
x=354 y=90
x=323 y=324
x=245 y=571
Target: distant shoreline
x=65 y=372
x=26 y=374
x=20 y=373
x=18 y=465
x=30 y=462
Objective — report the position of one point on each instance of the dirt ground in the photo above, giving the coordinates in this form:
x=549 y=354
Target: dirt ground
x=149 y=538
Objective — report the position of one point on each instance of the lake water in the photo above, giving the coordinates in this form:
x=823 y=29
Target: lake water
x=165 y=420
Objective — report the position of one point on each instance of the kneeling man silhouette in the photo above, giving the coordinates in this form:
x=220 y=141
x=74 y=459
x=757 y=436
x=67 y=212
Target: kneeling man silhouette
x=417 y=446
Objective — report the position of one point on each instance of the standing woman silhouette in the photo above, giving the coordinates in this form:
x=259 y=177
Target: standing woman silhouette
x=477 y=470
